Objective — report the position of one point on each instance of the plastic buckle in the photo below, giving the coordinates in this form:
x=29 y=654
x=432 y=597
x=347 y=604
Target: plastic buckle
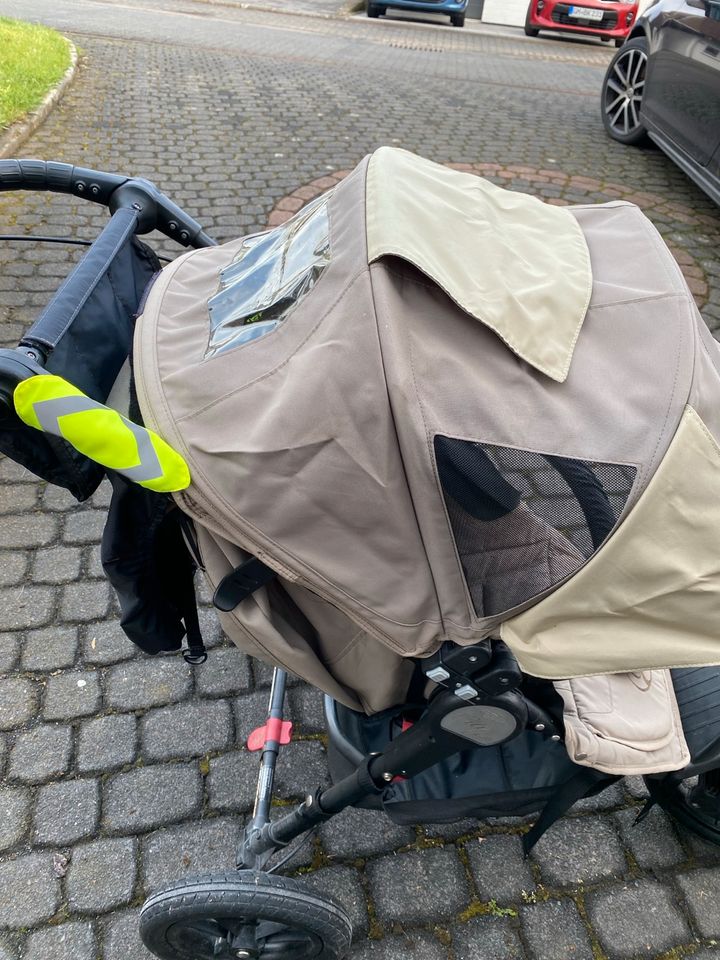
x=279 y=731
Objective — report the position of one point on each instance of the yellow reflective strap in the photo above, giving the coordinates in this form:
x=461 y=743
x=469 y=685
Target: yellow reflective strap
x=51 y=404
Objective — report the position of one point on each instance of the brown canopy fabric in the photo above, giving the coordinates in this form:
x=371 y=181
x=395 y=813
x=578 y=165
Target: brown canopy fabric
x=445 y=411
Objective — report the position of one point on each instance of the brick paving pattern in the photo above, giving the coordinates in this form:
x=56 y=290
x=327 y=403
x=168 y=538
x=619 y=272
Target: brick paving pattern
x=121 y=772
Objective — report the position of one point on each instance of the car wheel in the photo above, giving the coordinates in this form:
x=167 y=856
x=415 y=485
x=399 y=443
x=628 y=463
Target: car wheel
x=372 y=10
x=458 y=19
x=531 y=31
x=619 y=41
x=622 y=92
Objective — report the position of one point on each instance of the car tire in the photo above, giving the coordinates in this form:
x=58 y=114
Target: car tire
x=622 y=92
x=619 y=41
x=458 y=19
x=372 y=10
x=531 y=31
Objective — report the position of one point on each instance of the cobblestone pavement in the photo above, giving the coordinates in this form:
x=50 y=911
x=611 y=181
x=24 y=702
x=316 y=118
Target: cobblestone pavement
x=122 y=771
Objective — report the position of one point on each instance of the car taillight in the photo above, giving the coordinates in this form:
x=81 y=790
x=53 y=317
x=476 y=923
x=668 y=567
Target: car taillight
x=629 y=18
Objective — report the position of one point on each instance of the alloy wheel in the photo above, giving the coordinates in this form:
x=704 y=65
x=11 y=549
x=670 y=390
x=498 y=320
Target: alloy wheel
x=624 y=87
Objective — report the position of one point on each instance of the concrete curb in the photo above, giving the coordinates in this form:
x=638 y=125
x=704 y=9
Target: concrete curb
x=17 y=133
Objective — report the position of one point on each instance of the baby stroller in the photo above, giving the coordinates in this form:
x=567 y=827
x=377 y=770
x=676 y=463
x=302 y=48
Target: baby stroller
x=446 y=452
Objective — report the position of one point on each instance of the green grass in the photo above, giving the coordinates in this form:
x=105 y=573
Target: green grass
x=32 y=60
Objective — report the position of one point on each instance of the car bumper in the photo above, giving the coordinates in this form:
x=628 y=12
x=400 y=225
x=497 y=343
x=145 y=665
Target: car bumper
x=556 y=15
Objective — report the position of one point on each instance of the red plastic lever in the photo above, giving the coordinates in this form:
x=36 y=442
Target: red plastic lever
x=279 y=730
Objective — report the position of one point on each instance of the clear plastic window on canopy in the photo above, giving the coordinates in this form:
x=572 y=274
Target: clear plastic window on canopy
x=272 y=272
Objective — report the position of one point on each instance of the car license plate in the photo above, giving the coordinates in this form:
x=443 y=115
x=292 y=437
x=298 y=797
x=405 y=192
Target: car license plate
x=585 y=13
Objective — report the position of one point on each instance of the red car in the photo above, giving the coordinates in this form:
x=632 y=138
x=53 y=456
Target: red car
x=596 y=18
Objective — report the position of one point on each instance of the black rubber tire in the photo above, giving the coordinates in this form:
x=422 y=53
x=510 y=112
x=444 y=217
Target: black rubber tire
x=676 y=800
x=458 y=19
x=372 y=10
x=241 y=895
x=531 y=31
x=630 y=50
x=619 y=41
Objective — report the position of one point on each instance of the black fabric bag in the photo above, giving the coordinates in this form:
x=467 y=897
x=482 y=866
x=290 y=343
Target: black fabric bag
x=146 y=558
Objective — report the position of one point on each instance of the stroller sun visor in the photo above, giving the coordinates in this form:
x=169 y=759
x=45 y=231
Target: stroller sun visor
x=462 y=413
x=518 y=265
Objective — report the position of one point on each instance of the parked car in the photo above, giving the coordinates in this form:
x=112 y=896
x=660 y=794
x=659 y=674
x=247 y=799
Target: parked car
x=595 y=18
x=455 y=9
x=664 y=83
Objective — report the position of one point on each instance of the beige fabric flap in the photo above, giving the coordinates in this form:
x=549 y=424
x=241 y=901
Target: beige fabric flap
x=518 y=265
x=649 y=598
x=626 y=724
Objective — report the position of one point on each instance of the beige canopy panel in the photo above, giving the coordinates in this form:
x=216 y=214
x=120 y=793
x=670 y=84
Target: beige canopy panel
x=511 y=261
x=651 y=596
x=443 y=411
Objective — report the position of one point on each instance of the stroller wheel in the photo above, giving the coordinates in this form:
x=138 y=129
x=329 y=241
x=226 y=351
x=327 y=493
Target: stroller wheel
x=696 y=807
x=243 y=915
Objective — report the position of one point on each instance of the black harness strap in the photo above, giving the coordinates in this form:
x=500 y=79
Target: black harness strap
x=569 y=793
x=241 y=582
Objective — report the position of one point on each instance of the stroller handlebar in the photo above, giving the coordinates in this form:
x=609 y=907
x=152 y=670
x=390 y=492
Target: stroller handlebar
x=154 y=210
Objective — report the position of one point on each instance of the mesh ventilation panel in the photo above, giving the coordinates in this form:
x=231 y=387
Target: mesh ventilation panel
x=524 y=521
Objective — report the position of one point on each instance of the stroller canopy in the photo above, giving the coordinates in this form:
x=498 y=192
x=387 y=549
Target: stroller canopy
x=453 y=411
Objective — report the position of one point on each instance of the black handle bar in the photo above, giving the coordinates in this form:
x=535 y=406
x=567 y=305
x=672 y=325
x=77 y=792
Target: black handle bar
x=154 y=210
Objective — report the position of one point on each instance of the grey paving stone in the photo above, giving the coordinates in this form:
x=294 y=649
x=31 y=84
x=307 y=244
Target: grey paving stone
x=57 y=499
x=9 y=651
x=612 y=796
x=18 y=701
x=56 y=565
x=635 y=788
x=499 y=867
x=637 y=918
x=579 y=850
x=554 y=931
x=102 y=874
x=652 y=842
x=67 y=811
x=4 y=750
x=151 y=797
x=41 y=754
x=452 y=831
x=17 y=499
x=52 y=648
x=84 y=526
x=363 y=833
x=232 y=781
x=306 y=709
x=208 y=847
x=93 y=562
x=701 y=889
x=14 y=815
x=69 y=941
x=147 y=683
x=343 y=884
x=704 y=953
x=8 y=950
x=702 y=850
x=186 y=730
x=85 y=601
x=212 y=632
x=29 y=891
x=263 y=674
x=250 y=712
x=413 y=945
x=13 y=566
x=418 y=887
x=26 y=607
x=70 y=695
x=105 y=643
x=486 y=938
x=106 y=743
x=301 y=768
x=27 y=530
x=121 y=940
x=226 y=672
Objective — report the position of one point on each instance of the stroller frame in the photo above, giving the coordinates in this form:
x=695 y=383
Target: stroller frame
x=476 y=699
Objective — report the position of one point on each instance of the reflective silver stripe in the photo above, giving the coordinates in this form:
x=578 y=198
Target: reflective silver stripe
x=49 y=412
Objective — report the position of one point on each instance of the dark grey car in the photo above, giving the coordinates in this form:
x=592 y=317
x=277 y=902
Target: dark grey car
x=664 y=83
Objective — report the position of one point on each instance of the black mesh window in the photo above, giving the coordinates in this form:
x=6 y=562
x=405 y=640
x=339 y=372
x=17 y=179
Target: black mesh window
x=524 y=521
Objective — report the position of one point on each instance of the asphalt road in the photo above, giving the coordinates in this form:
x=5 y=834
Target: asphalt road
x=121 y=772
